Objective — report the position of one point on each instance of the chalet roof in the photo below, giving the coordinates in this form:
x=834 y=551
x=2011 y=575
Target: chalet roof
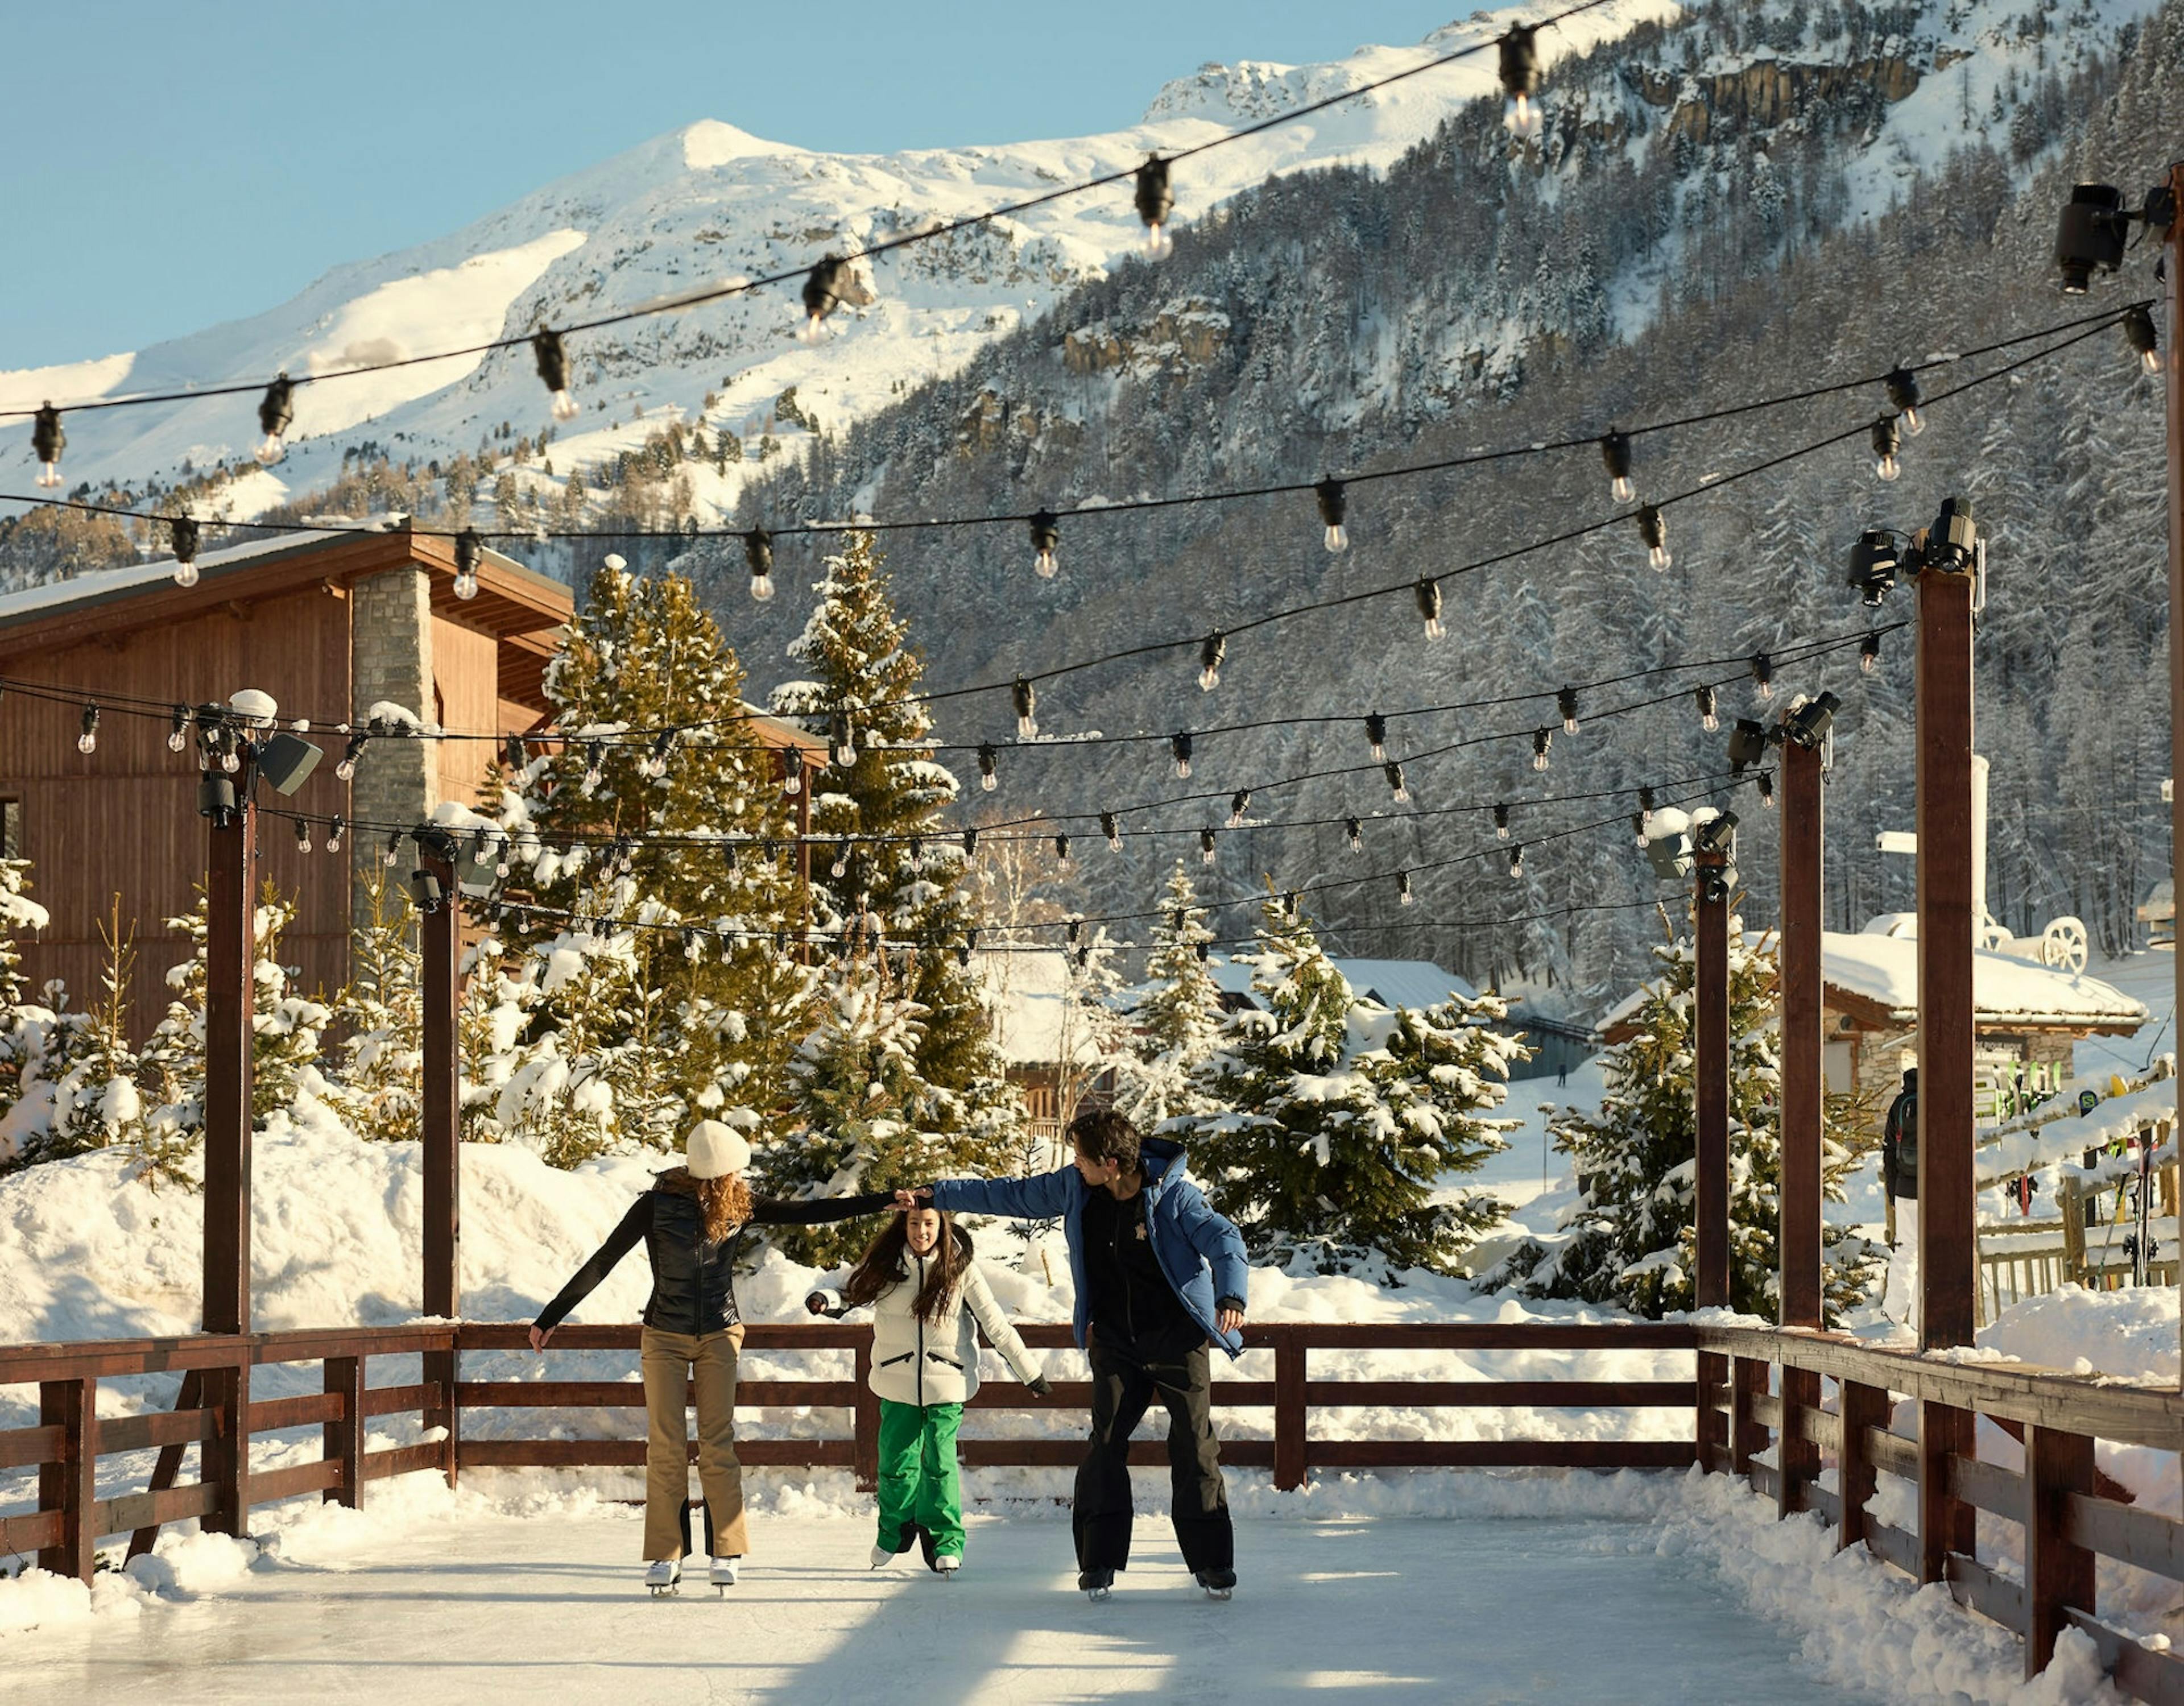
x=1392 y=983
x=1874 y=981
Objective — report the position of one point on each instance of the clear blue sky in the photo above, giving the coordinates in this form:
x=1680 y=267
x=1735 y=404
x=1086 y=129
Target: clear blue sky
x=176 y=163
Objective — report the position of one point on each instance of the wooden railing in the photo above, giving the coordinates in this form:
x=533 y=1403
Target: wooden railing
x=70 y=1517
x=1819 y=1399
x=1774 y=1394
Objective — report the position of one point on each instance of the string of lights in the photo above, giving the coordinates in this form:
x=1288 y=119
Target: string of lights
x=1899 y=383
x=218 y=743
x=825 y=283
x=1402 y=876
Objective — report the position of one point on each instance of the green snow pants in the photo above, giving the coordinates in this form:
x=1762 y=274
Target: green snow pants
x=918 y=1484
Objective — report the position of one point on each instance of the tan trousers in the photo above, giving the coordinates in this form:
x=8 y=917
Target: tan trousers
x=708 y=1361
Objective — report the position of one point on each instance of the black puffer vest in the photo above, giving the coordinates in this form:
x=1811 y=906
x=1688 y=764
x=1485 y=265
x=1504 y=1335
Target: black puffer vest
x=693 y=1281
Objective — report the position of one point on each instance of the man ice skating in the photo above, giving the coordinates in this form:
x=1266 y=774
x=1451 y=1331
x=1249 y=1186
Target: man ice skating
x=1141 y=1243
x=1899 y=1177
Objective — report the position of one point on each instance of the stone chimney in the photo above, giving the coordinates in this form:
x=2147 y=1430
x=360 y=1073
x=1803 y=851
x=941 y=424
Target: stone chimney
x=390 y=660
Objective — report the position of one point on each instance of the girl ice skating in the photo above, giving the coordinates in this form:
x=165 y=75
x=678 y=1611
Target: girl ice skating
x=691 y=1223
x=925 y=1289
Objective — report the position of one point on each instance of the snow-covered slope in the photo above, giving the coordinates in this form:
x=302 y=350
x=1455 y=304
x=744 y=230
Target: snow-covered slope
x=709 y=203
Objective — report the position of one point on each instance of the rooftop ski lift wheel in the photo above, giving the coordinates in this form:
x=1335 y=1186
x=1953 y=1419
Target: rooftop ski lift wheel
x=2062 y=945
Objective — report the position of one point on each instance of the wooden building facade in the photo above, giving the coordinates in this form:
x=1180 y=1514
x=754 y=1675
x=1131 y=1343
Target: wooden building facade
x=328 y=624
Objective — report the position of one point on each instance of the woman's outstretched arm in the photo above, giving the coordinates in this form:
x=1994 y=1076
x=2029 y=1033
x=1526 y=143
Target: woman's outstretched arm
x=620 y=1241
x=766 y=1210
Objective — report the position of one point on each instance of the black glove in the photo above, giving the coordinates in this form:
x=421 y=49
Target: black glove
x=1040 y=1387
x=815 y=1301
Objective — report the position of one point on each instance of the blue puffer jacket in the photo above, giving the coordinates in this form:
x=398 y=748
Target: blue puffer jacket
x=1187 y=1235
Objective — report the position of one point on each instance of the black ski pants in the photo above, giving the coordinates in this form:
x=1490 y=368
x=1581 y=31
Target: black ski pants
x=1126 y=1377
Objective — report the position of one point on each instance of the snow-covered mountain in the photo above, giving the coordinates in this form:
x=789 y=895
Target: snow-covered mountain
x=708 y=204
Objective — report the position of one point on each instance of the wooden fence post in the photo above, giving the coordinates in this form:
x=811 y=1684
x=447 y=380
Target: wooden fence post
x=2058 y=1576
x=1947 y=1252
x=1710 y=1109
x=867 y=1449
x=1747 y=1437
x=1291 y=1463
x=1803 y=1092
x=342 y=1438
x=1946 y=1523
x=2173 y=394
x=226 y=1457
x=440 y=940
x=71 y=1485
x=1859 y=1407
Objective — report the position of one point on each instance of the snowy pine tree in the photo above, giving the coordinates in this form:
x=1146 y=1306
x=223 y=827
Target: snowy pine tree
x=636 y=1012
x=1631 y=1241
x=1178 y=1014
x=96 y=1102
x=1336 y=1118
x=908 y=873
x=379 y=1014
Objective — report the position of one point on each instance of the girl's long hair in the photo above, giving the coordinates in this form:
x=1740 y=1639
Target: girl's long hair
x=886 y=1263
x=723 y=1202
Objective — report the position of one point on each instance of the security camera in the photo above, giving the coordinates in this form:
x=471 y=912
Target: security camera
x=2091 y=237
x=1874 y=560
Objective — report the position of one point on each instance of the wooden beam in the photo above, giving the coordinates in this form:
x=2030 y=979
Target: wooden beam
x=1803 y=1045
x=1290 y=1385
x=189 y=1397
x=70 y=1485
x=2058 y=1572
x=2173 y=393
x=1710 y=1087
x=341 y=1440
x=1947 y=1262
x=231 y=1004
x=1946 y=1523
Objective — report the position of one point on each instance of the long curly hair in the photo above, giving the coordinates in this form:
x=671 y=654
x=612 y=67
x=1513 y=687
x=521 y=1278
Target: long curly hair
x=724 y=1202
x=886 y=1264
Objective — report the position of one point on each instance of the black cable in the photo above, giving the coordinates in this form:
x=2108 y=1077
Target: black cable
x=697 y=298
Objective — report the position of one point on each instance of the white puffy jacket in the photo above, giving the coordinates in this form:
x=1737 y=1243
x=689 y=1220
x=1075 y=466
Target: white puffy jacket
x=935 y=1362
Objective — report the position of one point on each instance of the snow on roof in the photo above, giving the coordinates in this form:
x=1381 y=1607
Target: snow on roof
x=1027 y=996
x=1392 y=983
x=103 y=583
x=2005 y=990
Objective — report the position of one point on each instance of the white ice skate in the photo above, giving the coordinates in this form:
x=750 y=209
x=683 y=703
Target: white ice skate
x=1095 y=1583
x=948 y=1563
x=722 y=1575
x=882 y=1557
x=664 y=1576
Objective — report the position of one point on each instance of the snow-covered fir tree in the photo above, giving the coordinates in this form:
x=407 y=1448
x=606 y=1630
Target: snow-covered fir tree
x=1630 y=1241
x=908 y=872
x=26 y=1032
x=97 y=1104
x=284 y=1032
x=862 y=1115
x=380 y=1016
x=1178 y=1013
x=642 y=1033
x=1336 y=1119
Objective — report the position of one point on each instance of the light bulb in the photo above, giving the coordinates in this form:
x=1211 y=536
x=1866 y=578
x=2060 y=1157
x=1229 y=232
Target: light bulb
x=88 y=740
x=186 y=574
x=2150 y=360
x=1653 y=529
x=1542 y=740
x=1396 y=786
x=47 y=441
x=1024 y=698
x=178 y=736
x=813 y=329
x=1205 y=846
x=1403 y=888
x=270 y=450
x=988 y=780
x=394 y=847
x=1355 y=832
x=230 y=760
x=1500 y=823
x=1615 y=452
x=334 y=832
x=1659 y=557
x=1426 y=594
x=1376 y=736
x=1156 y=201
x=1179 y=745
x=1766 y=790
x=1704 y=698
x=1062 y=852
x=1566 y=702
x=346 y=769
x=553 y=363
x=1333 y=504
x=467 y=585
x=840 y=867
x=1112 y=830
x=1521 y=118
x=1516 y=862
x=303 y=836
x=758 y=553
x=1045 y=538
x=1159 y=246
x=1238 y=806
x=1621 y=489
x=1868 y=654
x=1211 y=653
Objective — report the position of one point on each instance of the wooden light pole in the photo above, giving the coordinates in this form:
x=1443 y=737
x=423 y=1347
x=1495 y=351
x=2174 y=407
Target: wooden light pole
x=230 y=1002
x=1947 y=1261
x=440 y=989
x=2173 y=390
x=1798 y=1234
x=1710 y=1100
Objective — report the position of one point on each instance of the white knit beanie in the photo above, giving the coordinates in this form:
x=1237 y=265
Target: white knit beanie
x=713 y=1149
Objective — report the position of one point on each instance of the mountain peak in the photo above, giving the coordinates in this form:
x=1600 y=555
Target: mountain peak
x=710 y=143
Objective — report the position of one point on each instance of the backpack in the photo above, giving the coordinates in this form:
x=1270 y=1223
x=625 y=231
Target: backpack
x=1904 y=1129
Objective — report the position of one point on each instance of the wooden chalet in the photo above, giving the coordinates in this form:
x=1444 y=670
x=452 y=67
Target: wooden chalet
x=329 y=624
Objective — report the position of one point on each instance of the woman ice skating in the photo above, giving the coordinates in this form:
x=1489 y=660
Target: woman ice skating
x=1141 y=1240
x=691 y=1223
x=925 y=1289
